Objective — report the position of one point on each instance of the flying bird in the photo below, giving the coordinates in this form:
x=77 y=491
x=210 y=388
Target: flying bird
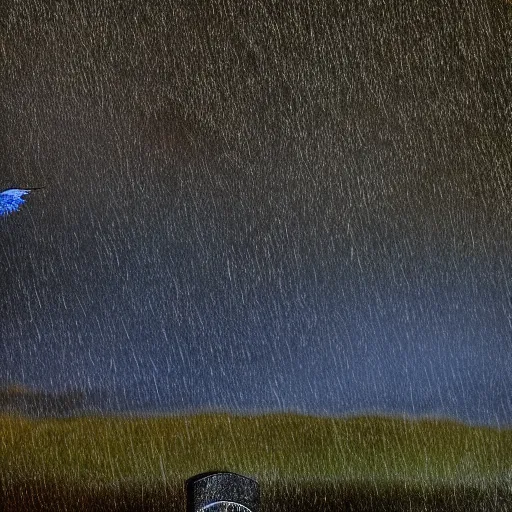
x=11 y=199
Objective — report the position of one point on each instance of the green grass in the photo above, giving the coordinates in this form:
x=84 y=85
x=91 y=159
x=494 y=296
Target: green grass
x=286 y=448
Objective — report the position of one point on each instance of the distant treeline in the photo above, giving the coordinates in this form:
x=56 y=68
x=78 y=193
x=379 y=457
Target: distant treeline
x=16 y=399
x=26 y=401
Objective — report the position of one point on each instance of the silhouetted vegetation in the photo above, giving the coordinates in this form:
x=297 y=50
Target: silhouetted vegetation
x=16 y=399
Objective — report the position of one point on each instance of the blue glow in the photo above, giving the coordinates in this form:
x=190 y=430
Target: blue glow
x=11 y=200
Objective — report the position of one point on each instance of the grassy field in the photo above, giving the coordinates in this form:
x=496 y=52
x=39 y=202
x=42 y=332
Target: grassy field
x=303 y=463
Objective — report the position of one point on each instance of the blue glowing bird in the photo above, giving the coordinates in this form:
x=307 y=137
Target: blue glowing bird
x=12 y=199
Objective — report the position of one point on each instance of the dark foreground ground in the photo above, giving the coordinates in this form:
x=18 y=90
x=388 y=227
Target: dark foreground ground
x=38 y=495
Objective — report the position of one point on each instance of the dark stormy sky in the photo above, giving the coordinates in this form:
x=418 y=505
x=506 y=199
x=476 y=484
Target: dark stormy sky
x=260 y=205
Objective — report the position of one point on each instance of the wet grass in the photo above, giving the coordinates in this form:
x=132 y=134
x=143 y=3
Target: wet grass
x=39 y=495
x=303 y=463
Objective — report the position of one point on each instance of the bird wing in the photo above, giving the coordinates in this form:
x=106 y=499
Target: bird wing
x=11 y=200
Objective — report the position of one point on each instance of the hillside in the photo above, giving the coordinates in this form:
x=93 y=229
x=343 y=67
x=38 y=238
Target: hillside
x=303 y=463
x=113 y=449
